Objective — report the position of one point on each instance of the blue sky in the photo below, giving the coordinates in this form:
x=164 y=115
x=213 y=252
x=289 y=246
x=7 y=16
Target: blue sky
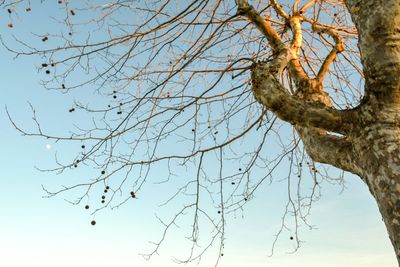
x=37 y=231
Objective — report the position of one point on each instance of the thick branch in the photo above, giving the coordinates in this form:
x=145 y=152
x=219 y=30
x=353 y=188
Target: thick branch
x=277 y=45
x=270 y=93
x=296 y=70
x=295 y=6
x=325 y=148
x=338 y=48
x=263 y=25
x=278 y=8
x=306 y=6
x=295 y=23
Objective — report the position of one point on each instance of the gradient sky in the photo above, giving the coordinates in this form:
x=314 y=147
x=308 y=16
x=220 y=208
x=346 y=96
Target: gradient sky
x=36 y=231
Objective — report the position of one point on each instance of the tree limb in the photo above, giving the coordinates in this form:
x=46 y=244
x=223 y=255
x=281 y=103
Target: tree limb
x=263 y=25
x=330 y=149
x=306 y=6
x=269 y=92
x=338 y=48
x=278 y=8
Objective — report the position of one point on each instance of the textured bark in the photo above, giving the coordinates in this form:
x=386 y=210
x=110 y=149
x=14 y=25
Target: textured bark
x=378 y=24
x=377 y=139
x=369 y=140
x=377 y=154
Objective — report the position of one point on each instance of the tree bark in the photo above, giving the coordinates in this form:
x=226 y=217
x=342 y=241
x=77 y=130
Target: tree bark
x=377 y=135
x=378 y=156
x=368 y=143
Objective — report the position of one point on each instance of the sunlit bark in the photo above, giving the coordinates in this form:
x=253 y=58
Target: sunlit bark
x=370 y=142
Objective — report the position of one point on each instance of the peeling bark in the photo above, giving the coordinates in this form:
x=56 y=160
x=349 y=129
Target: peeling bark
x=377 y=144
x=377 y=153
x=369 y=144
x=378 y=24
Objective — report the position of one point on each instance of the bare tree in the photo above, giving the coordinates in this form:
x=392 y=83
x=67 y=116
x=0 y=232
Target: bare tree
x=218 y=78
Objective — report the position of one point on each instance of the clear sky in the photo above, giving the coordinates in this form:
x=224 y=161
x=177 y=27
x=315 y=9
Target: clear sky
x=36 y=231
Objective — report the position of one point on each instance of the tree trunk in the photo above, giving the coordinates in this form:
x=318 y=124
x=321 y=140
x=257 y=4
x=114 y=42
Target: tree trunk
x=377 y=134
x=378 y=154
x=367 y=139
x=386 y=193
